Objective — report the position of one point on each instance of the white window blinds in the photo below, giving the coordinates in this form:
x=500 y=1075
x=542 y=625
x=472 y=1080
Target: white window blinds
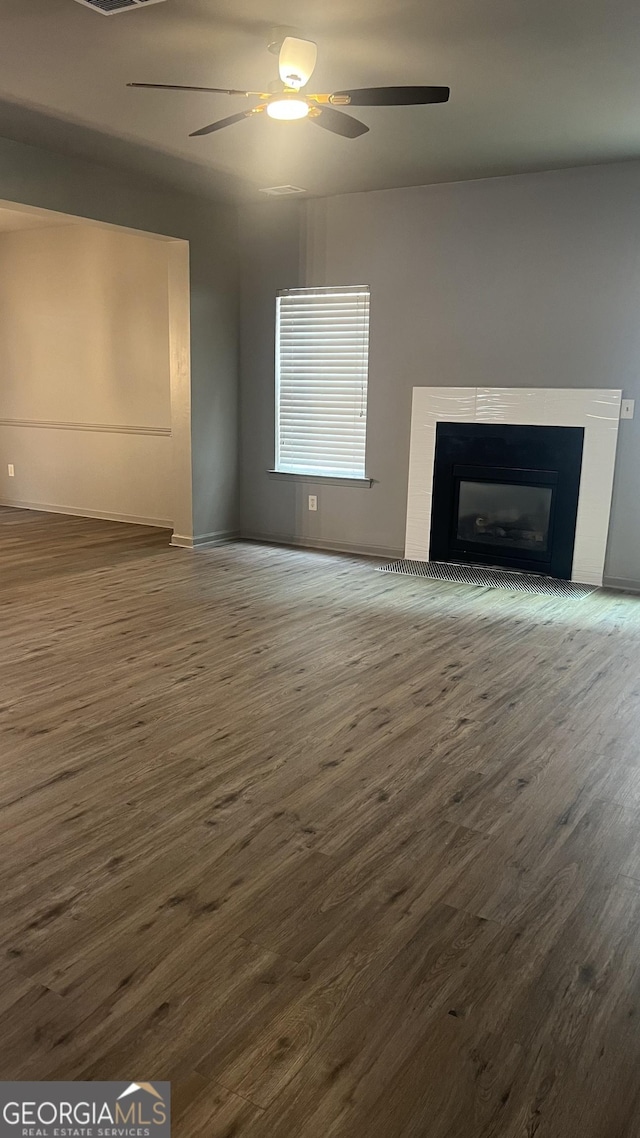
x=322 y=358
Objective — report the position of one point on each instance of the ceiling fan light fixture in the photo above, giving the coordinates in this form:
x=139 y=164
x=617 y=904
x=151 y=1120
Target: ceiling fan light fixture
x=287 y=108
x=297 y=61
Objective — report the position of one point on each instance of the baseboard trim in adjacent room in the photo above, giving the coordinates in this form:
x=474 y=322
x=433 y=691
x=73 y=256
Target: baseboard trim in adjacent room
x=100 y=515
x=622 y=584
x=220 y=537
x=327 y=546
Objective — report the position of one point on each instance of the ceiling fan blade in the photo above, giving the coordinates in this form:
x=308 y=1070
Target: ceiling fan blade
x=390 y=96
x=180 y=87
x=338 y=123
x=221 y=123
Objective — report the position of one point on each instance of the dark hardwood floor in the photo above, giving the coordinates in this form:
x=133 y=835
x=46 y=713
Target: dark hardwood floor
x=338 y=853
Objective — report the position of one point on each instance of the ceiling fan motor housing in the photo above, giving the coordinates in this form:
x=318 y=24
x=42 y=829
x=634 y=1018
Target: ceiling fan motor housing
x=277 y=36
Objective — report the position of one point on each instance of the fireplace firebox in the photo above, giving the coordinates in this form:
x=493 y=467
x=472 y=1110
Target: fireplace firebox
x=506 y=496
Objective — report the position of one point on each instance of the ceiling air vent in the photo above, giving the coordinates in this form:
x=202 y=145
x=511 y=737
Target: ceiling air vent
x=282 y=191
x=112 y=7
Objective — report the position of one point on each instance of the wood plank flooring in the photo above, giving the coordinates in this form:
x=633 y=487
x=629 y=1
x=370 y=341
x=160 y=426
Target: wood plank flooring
x=340 y=854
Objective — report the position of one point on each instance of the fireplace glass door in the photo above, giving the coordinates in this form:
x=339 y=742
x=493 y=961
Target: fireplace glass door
x=508 y=515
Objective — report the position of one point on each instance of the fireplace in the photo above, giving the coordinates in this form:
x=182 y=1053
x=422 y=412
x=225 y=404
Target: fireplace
x=506 y=495
x=596 y=412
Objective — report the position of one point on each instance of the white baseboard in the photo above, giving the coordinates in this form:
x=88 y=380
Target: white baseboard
x=219 y=537
x=329 y=546
x=101 y=515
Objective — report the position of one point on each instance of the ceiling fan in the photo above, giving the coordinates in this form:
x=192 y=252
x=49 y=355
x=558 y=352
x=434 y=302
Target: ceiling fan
x=296 y=62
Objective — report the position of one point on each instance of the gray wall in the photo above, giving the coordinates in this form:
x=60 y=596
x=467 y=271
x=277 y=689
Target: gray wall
x=38 y=177
x=532 y=280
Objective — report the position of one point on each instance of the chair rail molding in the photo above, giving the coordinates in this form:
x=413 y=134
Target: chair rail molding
x=104 y=428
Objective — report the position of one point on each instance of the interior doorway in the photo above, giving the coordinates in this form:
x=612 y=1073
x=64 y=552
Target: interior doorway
x=94 y=370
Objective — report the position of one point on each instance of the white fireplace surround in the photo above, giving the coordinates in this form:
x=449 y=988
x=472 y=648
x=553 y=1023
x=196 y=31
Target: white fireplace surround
x=598 y=411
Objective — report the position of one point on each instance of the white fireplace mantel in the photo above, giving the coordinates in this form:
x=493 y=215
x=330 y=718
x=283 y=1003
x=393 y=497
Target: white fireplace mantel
x=598 y=411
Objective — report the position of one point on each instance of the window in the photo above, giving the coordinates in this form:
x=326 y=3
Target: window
x=322 y=356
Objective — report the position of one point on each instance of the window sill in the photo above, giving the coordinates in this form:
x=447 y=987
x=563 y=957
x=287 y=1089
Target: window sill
x=319 y=479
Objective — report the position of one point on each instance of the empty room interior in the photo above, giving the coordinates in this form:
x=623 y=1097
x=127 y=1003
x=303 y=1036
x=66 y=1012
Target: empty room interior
x=319 y=569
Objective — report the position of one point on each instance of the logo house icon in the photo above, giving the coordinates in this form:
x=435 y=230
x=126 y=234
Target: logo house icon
x=142 y=1105
x=133 y=1087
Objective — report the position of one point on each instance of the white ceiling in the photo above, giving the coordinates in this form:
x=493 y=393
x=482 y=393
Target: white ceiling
x=535 y=85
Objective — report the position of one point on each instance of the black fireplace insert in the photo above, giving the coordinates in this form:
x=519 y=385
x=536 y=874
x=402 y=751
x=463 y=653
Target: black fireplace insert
x=506 y=496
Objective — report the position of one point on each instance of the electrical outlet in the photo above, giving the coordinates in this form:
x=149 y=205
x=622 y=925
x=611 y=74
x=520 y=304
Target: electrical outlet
x=627 y=408
x=11 y=470
x=313 y=501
